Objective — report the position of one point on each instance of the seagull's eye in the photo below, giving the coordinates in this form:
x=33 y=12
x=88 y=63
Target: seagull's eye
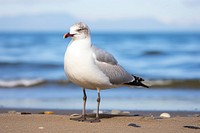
x=79 y=29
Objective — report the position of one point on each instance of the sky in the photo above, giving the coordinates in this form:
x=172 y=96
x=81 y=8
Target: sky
x=100 y=15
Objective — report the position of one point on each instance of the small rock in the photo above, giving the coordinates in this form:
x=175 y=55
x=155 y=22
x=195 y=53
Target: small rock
x=25 y=113
x=133 y=125
x=165 y=115
x=48 y=112
x=40 y=127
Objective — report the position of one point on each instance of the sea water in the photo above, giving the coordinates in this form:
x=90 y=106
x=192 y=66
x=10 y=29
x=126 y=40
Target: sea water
x=32 y=75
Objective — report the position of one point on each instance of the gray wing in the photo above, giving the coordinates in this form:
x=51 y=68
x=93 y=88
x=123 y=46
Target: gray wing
x=108 y=65
x=104 y=56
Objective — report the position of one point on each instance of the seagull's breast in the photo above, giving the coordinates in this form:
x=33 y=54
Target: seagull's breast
x=79 y=66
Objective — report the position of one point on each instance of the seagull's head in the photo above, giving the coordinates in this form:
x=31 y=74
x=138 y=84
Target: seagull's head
x=78 y=31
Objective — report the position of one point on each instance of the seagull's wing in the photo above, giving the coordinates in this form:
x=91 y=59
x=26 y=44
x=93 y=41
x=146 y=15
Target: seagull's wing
x=108 y=65
x=103 y=56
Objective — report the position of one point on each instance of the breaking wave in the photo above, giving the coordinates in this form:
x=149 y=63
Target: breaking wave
x=27 y=83
x=21 y=83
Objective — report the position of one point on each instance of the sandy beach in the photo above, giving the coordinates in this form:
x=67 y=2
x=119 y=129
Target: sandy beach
x=145 y=122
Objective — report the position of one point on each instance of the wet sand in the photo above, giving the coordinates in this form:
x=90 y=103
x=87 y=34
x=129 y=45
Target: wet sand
x=34 y=120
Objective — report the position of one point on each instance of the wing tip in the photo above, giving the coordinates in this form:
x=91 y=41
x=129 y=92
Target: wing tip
x=139 y=82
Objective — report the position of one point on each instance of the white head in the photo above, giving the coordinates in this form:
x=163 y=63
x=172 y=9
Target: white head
x=78 y=31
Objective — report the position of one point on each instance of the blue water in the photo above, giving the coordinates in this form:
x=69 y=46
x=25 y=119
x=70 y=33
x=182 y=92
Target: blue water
x=31 y=69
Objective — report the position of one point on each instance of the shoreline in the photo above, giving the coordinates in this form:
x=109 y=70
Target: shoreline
x=181 y=113
x=32 y=120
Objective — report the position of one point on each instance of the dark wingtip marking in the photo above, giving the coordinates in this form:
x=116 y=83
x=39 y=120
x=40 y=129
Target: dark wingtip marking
x=137 y=82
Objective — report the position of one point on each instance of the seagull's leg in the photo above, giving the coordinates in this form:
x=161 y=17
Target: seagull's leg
x=84 y=103
x=98 y=103
x=83 y=116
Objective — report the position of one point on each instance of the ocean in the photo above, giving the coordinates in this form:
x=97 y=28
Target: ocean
x=32 y=75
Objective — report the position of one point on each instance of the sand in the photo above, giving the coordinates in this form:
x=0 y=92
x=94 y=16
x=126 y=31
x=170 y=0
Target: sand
x=59 y=123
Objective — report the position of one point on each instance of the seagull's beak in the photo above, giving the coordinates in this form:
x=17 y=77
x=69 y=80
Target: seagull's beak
x=66 y=35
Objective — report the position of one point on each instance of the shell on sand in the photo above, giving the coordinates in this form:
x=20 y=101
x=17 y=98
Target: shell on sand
x=165 y=115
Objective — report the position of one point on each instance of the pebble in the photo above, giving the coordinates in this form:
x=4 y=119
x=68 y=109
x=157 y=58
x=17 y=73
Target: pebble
x=48 y=112
x=24 y=113
x=165 y=115
x=133 y=125
x=40 y=127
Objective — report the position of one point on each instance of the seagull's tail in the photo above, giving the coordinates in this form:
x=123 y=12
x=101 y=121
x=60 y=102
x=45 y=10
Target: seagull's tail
x=138 y=82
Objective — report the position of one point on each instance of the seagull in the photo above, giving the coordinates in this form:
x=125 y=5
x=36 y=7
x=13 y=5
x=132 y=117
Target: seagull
x=93 y=68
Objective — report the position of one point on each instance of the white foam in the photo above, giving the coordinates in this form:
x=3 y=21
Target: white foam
x=20 y=82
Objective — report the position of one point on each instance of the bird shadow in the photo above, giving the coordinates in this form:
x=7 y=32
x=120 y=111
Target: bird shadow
x=108 y=116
